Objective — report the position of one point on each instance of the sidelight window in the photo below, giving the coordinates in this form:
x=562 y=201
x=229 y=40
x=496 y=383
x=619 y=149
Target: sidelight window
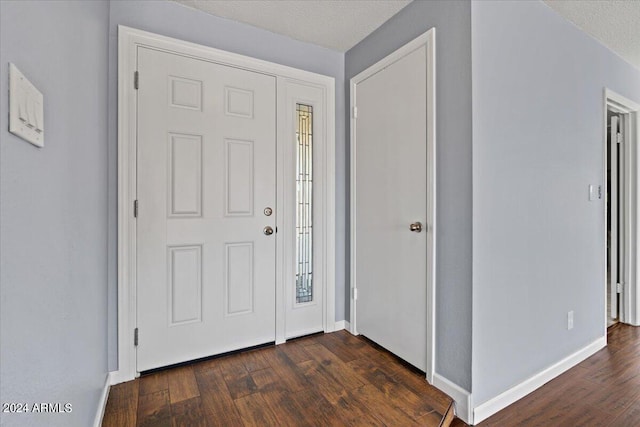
x=304 y=204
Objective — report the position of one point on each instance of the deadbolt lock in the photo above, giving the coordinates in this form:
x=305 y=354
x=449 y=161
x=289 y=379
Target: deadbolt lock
x=268 y=211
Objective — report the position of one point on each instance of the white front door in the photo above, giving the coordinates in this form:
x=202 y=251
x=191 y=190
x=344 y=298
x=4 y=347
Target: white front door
x=391 y=206
x=206 y=174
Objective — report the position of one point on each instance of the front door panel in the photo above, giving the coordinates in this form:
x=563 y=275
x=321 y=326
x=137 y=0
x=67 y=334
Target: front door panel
x=206 y=171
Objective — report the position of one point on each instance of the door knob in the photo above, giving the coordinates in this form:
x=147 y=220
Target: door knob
x=268 y=231
x=416 y=226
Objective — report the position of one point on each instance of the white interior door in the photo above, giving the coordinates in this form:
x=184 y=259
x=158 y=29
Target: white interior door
x=614 y=241
x=391 y=200
x=206 y=172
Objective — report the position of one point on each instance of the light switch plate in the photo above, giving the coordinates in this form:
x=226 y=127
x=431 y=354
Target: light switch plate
x=26 y=108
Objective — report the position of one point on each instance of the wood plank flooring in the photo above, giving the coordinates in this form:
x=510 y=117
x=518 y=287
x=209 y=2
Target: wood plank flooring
x=603 y=390
x=324 y=380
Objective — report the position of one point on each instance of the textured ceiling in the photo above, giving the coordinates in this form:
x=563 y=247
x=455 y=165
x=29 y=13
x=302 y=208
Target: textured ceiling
x=616 y=23
x=341 y=24
x=335 y=24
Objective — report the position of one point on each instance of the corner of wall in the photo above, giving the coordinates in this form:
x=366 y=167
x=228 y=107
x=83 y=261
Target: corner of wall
x=517 y=392
x=462 y=398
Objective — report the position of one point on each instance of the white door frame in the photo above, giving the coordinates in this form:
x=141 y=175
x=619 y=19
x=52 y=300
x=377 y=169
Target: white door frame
x=427 y=39
x=630 y=297
x=129 y=39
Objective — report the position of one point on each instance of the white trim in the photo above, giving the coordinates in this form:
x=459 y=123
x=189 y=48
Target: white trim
x=102 y=403
x=281 y=196
x=431 y=203
x=329 y=207
x=490 y=407
x=631 y=294
x=126 y=195
x=605 y=192
x=129 y=39
x=461 y=397
x=342 y=324
x=625 y=104
x=427 y=39
x=628 y=309
x=117 y=377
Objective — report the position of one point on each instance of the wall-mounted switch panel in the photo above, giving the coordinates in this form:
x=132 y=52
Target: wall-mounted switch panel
x=26 y=108
x=570 y=320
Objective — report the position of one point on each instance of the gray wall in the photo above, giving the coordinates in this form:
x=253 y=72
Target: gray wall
x=53 y=213
x=174 y=20
x=538 y=243
x=452 y=20
x=537 y=144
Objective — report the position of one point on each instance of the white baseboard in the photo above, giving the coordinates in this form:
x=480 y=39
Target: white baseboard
x=490 y=407
x=102 y=403
x=461 y=397
x=117 y=377
x=342 y=324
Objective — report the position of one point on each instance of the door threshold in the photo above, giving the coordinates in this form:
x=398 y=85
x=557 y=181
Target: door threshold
x=203 y=359
x=312 y=334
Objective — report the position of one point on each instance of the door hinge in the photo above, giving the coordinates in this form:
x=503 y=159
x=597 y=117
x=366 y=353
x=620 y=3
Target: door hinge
x=136 y=80
x=135 y=336
x=619 y=288
x=355 y=112
x=619 y=138
x=135 y=209
x=355 y=294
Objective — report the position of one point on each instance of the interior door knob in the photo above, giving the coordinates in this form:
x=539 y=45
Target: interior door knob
x=416 y=226
x=268 y=231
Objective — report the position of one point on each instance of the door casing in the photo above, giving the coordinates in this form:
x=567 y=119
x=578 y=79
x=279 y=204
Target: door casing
x=428 y=40
x=630 y=297
x=129 y=39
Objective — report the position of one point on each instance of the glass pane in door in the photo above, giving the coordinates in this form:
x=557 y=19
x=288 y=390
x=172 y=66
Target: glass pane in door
x=304 y=204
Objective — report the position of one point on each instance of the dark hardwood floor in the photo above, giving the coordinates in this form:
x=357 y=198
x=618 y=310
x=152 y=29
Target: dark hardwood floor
x=338 y=379
x=324 y=380
x=604 y=390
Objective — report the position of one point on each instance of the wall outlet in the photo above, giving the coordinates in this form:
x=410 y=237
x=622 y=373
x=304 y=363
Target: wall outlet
x=570 y=320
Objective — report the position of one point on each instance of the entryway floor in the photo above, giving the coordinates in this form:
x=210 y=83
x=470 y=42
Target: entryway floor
x=332 y=379
x=603 y=390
